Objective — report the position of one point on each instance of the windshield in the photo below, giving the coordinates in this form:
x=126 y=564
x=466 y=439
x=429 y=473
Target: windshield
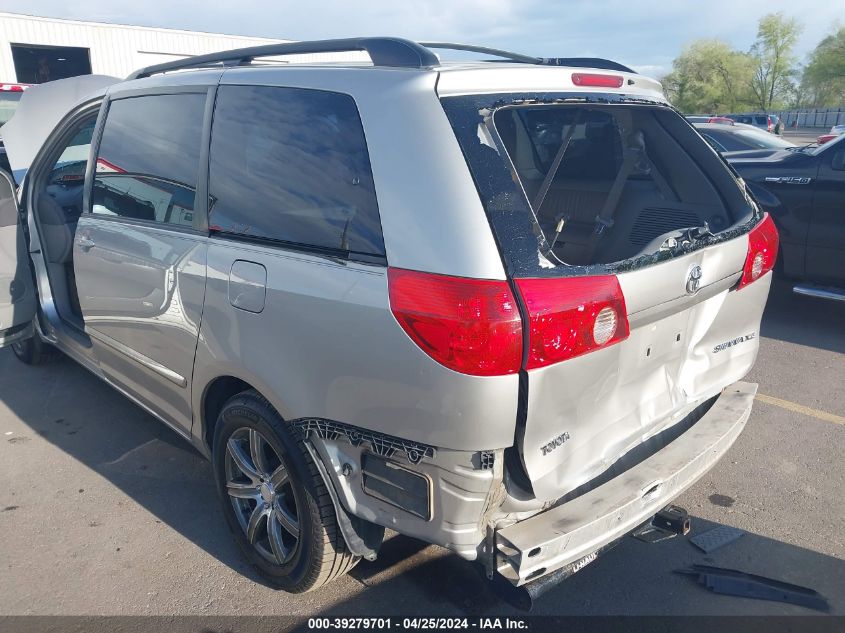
x=764 y=140
x=8 y=103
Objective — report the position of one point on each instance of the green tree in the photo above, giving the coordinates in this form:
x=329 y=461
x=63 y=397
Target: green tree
x=773 y=55
x=710 y=77
x=823 y=79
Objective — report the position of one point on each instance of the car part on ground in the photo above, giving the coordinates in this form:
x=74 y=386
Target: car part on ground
x=731 y=582
x=716 y=538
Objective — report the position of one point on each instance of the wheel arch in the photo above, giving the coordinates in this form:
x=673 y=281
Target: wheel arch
x=215 y=394
x=361 y=537
x=211 y=390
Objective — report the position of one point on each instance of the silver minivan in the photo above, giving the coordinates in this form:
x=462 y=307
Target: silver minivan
x=503 y=307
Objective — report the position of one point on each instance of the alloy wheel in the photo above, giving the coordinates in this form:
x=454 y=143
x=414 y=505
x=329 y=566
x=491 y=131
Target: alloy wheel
x=261 y=493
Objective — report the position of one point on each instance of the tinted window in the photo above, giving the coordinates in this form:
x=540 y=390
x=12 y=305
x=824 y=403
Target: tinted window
x=148 y=160
x=66 y=181
x=292 y=165
x=714 y=143
x=763 y=140
x=729 y=143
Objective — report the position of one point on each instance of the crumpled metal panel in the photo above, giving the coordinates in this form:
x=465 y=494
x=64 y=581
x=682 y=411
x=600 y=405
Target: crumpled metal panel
x=612 y=400
x=574 y=530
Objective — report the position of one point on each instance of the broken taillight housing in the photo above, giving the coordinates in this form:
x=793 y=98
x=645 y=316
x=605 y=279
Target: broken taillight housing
x=571 y=316
x=762 y=251
x=472 y=326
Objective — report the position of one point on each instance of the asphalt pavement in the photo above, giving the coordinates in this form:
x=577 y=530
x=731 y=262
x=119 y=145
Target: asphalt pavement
x=103 y=510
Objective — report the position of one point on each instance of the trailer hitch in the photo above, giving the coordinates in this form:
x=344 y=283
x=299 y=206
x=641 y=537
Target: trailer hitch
x=668 y=523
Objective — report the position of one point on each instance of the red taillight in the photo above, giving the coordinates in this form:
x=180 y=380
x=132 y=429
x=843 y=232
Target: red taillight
x=572 y=316
x=603 y=81
x=762 y=251
x=472 y=326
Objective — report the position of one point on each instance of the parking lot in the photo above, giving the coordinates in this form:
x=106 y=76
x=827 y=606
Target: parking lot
x=105 y=511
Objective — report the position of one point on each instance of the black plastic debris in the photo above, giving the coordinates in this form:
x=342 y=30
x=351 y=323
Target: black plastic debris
x=648 y=533
x=731 y=582
x=716 y=538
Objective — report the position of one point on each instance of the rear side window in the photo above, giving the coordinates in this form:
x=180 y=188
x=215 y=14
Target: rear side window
x=291 y=165
x=714 y=143
x=726 y=142
x=148 y=159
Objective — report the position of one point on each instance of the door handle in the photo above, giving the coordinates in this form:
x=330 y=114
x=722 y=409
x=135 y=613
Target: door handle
x=85 y=243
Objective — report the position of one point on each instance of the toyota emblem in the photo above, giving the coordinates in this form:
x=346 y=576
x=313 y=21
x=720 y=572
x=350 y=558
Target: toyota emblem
x=694 y=280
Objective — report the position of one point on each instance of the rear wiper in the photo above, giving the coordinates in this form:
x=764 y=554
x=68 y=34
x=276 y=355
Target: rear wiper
x=698 y=232
x=686 y=236
x=800 y=148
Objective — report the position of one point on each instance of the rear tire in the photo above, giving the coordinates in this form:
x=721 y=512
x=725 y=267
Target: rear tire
x=274 y=499
x=34 y=351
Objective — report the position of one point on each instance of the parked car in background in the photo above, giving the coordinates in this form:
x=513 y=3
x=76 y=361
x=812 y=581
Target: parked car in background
x=447 y=299
x=739 y=137
x=803 y=188
x=759 y=120
x=835 y=131
x=709 y=119
x=10 y=95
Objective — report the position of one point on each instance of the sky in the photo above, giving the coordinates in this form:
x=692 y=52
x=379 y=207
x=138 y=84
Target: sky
x=646 y=34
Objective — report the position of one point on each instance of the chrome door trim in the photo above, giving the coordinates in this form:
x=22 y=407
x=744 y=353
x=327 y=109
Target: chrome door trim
x=139 y=358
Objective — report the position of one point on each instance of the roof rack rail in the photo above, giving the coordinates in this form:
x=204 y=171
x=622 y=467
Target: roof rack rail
x=578 y=62
x=515 y=57
x=383 y=51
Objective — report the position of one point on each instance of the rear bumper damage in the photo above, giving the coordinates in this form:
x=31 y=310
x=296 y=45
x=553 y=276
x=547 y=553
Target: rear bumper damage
x=567 y=537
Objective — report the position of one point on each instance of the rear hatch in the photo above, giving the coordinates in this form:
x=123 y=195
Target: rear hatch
x=630 y=246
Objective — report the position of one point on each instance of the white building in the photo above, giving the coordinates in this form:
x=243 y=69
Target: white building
x=35 y=49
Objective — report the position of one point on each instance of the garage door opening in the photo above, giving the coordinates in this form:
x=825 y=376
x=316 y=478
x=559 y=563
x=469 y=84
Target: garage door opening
x=37 y=64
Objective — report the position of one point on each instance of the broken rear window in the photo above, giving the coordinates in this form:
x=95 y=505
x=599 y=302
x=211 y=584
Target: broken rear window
x=603 y=183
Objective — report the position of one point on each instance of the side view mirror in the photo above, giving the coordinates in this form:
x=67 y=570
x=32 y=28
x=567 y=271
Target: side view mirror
x=838 y=161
